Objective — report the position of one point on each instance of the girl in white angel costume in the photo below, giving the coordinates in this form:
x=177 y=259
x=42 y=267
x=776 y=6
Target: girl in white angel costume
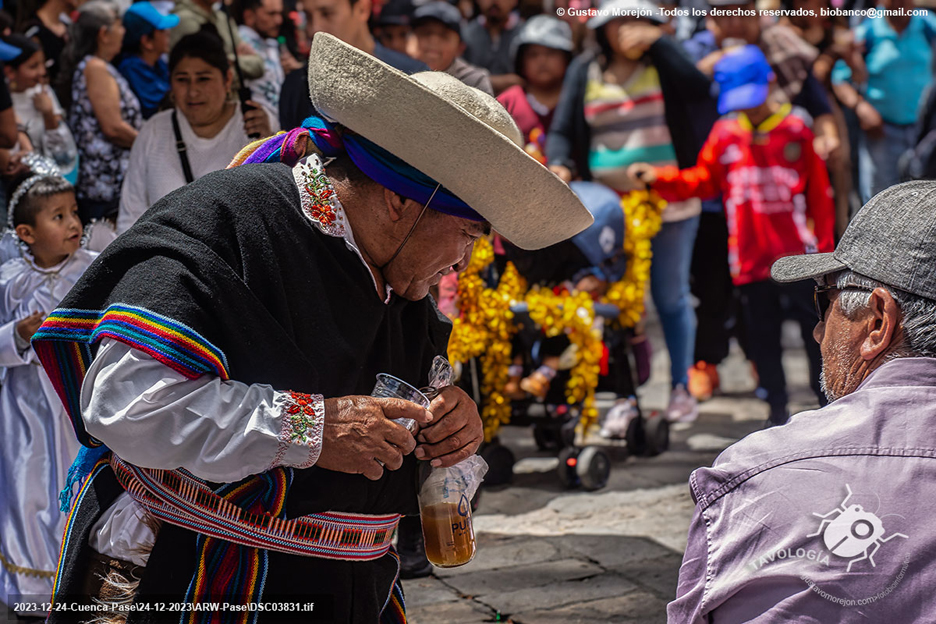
x=37 y=444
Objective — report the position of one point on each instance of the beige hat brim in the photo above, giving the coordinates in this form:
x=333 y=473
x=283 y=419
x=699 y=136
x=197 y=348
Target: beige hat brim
x=522 y=199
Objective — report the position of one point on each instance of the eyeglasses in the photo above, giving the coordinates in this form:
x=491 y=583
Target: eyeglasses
x=823 y=302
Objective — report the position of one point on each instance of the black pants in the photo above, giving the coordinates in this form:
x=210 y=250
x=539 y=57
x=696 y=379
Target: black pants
x=765 y=305
x=711 y=285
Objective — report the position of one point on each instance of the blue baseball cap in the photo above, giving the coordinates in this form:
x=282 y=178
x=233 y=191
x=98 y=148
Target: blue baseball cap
x=8 y=52
x=142 y=18
x=743 y=77
x=603 y=240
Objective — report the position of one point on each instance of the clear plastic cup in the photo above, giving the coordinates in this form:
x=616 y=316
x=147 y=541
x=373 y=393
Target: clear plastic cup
x=389 y=387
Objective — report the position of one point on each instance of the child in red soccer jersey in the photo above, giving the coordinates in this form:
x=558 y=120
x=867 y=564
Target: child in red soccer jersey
x=778 y=202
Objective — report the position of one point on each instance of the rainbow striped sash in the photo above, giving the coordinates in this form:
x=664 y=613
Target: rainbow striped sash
x=181 y=499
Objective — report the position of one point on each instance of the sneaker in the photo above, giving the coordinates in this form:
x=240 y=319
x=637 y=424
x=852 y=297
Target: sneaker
x=682 y=406
x=618 y=419
x=703 y=381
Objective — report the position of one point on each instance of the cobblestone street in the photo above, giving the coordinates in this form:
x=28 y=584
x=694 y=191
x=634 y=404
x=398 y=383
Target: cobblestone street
x=547 y=554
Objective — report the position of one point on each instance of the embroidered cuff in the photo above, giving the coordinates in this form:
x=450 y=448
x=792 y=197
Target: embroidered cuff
x=300 y=439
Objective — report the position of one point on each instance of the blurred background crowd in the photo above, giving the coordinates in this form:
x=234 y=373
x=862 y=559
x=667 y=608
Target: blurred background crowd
x=132 y=101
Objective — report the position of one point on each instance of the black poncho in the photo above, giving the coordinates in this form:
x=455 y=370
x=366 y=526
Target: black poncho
x=258 y=294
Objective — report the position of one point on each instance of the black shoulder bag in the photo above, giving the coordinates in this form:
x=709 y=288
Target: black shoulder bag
x=180 y=147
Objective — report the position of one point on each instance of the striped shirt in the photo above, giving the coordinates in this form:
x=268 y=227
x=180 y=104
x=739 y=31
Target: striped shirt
x=628 y=125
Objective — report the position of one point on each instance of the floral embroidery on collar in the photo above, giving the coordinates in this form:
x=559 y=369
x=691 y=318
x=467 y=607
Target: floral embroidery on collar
x=319 y=200
x=320 y=205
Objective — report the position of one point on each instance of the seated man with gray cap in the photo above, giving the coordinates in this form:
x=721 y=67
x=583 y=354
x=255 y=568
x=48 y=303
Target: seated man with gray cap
x=829 y=518
x=237 y=328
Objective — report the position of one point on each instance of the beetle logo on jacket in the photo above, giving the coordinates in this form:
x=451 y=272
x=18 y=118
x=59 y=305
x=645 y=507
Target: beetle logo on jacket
x=853 y=533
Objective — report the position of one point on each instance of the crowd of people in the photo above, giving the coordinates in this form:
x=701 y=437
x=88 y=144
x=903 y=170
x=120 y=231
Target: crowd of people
x=763 y=137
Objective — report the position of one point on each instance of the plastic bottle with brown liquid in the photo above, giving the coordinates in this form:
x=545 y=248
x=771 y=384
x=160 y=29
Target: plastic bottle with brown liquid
x=445 y=510
x=448 y=533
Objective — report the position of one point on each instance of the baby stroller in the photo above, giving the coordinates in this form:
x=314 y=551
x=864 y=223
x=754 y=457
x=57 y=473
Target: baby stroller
x=586 y=261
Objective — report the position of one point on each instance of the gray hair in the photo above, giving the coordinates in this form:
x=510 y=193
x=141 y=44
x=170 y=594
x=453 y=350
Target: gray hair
x=82 y=41
x=918 y=313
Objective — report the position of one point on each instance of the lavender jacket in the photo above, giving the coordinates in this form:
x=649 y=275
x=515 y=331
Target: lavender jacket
x=830 y=518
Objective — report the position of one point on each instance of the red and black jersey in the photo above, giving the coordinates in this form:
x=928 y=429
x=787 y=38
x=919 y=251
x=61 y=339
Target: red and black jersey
x=778 y=201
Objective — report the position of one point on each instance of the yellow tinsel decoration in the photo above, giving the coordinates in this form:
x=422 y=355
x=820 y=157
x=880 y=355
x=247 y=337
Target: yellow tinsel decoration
x=485 y=328
x=573 y=315
x=642 y=220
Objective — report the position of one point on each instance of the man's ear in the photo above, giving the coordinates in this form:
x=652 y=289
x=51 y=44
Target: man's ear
x=461 y=48
x=883 y=324
x=25 y=233
x=397 y=205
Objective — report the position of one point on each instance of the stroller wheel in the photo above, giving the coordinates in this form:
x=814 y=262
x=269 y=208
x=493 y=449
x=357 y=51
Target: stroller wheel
x=656 y=430
x=593 y=468
x=500 y=460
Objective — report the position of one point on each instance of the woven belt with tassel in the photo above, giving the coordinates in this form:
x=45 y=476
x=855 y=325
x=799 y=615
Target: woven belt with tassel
x=179 y=498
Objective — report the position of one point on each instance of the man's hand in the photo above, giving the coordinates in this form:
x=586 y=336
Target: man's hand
x=642 y=172
x=358 y=437
x=30 y=325
x=456 y=432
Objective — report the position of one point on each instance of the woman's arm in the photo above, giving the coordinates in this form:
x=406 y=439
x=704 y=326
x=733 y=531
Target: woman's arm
x=560 y=138
x=104 y=95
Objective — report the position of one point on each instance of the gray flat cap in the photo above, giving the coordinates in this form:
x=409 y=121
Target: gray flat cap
x=892 y=239
x=544 y=30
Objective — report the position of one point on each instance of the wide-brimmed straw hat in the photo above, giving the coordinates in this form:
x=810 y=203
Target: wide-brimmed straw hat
x=456 y=134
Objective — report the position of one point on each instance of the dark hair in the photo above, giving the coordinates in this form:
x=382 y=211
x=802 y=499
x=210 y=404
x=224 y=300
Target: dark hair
x=203 y=45
x=27 y=46
x=6 y=20
x=24 y=12
x=601 y=38
x=239 y=6
x=31 y=204
x=82 y=41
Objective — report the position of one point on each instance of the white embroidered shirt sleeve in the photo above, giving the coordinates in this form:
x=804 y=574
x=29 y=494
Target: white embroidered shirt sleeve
x=218 y=430
x=303 y=418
